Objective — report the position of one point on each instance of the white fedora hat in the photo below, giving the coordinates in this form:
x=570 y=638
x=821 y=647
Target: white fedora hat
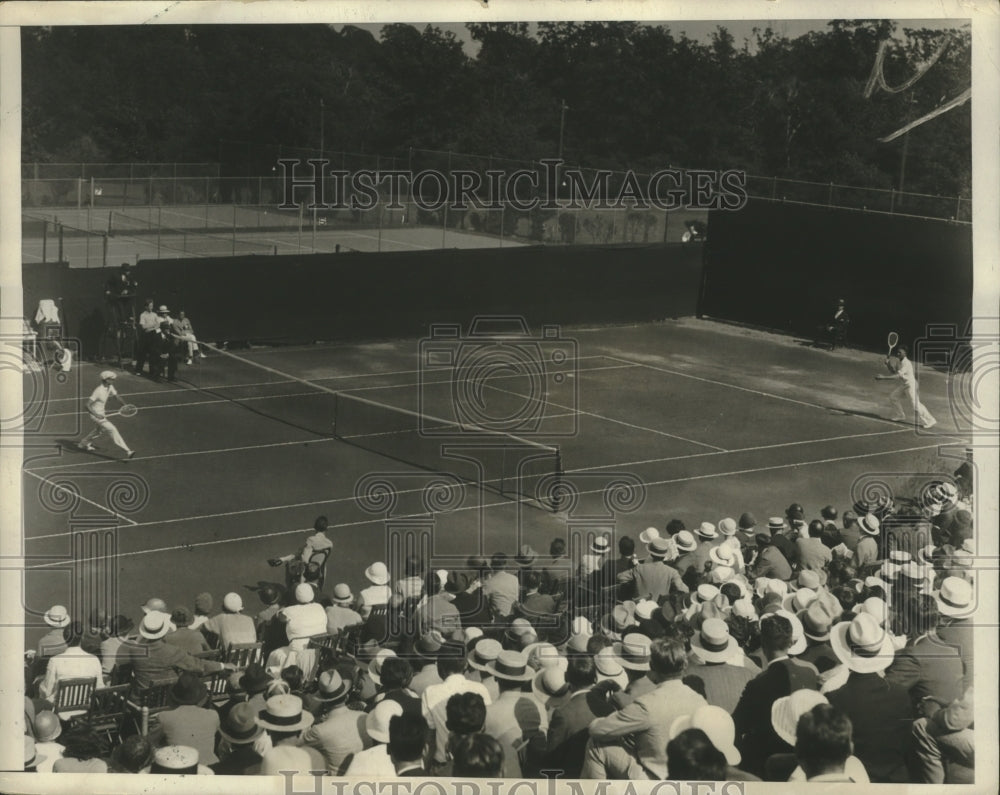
x=862 y=645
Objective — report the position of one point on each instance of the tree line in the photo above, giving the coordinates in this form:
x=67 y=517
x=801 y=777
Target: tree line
x=610 y=95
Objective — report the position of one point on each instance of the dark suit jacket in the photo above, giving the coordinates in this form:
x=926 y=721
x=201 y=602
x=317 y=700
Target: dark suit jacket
x=567 y=737
x=820 y=653
x=928 y=668
x=755 y=737
x=882 y=715
x=958 y=633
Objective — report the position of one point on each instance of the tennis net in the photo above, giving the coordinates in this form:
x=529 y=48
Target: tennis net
x=188 y=241
x=517 y=468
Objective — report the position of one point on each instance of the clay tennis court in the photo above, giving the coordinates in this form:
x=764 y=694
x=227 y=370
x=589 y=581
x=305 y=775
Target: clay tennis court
x=235 y=460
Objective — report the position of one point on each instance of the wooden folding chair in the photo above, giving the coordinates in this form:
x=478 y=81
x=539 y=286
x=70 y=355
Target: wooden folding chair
x=243 y=655
x=73 y=695
x=217 y=684
x=107 y=712
x=212 y=654
x=146 y=702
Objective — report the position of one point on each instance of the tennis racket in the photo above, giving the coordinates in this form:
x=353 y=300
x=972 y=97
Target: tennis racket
x=128 y=410
x=893 y=341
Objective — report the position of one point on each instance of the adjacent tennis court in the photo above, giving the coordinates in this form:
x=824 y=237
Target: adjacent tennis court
x=236 y=459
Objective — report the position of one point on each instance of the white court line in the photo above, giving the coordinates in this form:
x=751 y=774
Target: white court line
x=465 y=508
x=744 y=388
x=75 y=495
x=610 y=419
x=292 y=381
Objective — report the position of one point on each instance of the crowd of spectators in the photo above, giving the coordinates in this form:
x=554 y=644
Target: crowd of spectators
x=832 y=649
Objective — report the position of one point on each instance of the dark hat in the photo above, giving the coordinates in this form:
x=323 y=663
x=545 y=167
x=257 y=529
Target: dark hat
x=133 y=754
x=795 y=511
x=240 y=726
x=189 y=689
x=181 y=616
x=255 y=679
x=762 y=539
x=203 y=602
x=525 y=556
x=747 y=521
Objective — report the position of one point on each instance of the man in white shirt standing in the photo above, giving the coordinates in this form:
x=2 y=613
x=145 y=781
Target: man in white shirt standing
x=904 y=398
x=96 y=405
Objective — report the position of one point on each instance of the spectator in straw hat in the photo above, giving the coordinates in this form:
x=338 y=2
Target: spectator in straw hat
x=338 y=732
x=707 y=537
x=239 y=733
x=295 y=654
x=190 y=640
x=424 y=661
x=151 y=658
x=956 y=603
x=648 y=719
x=595 y=557
x=866 y=552
x=686 y=561
x=379 y=592
x=306 y=617
x=340 y=615
x=501 y=588
x=881 y=711
x=516 y=716
x=177 y=760
x=817 y=620
x=192 y=721
x=52 y=642
x=284 y=720
x=782 y=675
x=717 y=725
x=231 y=625
x=716 y=657
x=654 y=578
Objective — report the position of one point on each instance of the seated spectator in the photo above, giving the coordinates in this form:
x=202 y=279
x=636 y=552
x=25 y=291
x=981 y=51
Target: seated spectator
x=378 y=593
x=648 y=719
x=47 y=728
x=407 y=741
x=718 y=660
x=73 y=663
x=881 y=712
x=337 y=732
x=177 y=760
x=783 y=675
x=654 y=578
x=770 y=562
x=556 y=572
x=296 y=654
x=817 y=621
x=183 y=329
x=501 y=588
x=341 y=615
x=516 y=717
x=190 y=640
x=119 y=633
x=374 y=761
x=52 y=642
x=425 y=652
x=437 y=612
x=192 y=721
x=96 y=632
x=928 y=667
x=534 y=603
x=452 y=665
x=570 y=722
x=306 y=617
x=823 y=744
x=692 y=757
x=231 y=625
x=944 y=741
x=83 y=751
x=412 y=584
x=592 y=560
x=284 y=721
x=132 y=755
x=478 y=756
x=866 y=551
x=470 y=602
x=812 y=553
x=203 y=605
x=239 y=732
x=153 y=659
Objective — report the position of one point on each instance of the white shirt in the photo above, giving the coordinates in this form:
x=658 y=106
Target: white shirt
x=905 y=373
x=372 y=763
x=305 y=620
x=149 y=321
x=74 y=663
x=99 y=398
x=434 y=704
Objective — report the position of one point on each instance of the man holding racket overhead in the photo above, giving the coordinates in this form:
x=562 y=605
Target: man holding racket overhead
x=904 y=398
x=96 y=405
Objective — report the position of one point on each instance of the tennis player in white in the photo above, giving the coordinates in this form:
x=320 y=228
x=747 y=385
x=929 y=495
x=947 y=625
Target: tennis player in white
x=96 y=404
x=904 y=398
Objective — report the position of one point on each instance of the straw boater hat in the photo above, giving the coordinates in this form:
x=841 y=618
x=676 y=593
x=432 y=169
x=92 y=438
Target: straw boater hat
x=484 y=652
x=809 y=579
x=177 y=760
x=875 y=607
x=798 y=601
x=775 y=523
x=377 y=573
x=685 y=541
x=600 y=545
x=720 y=575
x=619 y=619
x=718 y=726
x=377 y=721
x=240 y=726
x=817 y=620
x=743 y=608
x=154 y=626
x=707 y=530
x=862 y=645
x=154 y=605
x=713 y=641
x=342 y=594
x=331 y=687
x=284 y=714
x=511 y=666
x=57 y=616
x=786 y=711
x=956 y=598
x=705 y=592
x=659 y=548
x=632 y=651
x=549 y=683
x=723 y=555
x=543 y=655
x=609 y=669
x=869 y=524
x=647 y=535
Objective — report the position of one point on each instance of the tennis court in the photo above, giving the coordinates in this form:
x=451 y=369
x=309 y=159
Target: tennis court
x=239 y=459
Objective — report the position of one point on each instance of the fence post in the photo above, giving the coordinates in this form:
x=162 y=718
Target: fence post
x=234 y=230
x=45 y=236
x=159 y=228
x=958 y=209
x=104 y=253
x=79 y=193
x=59 y=227
x=892 y=201
x=829 y=196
